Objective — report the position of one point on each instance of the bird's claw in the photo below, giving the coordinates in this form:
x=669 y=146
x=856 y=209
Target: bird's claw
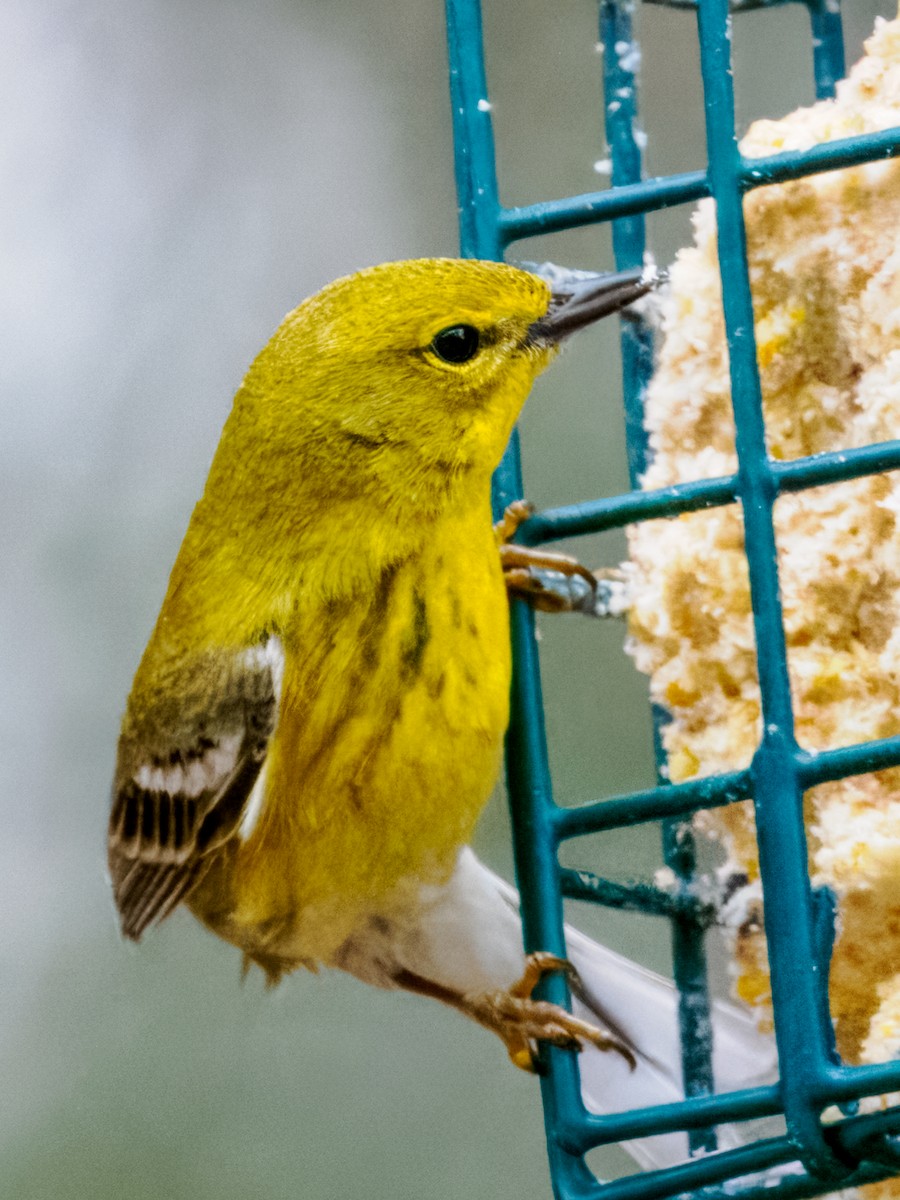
x=523 y=1022
x=554 y=582
x=522 y=564
x=515 y=514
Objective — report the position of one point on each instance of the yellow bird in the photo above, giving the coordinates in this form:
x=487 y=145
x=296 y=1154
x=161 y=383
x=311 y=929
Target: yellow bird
x=317 y=721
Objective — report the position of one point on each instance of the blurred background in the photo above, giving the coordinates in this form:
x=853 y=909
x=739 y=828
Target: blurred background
x=176 y=177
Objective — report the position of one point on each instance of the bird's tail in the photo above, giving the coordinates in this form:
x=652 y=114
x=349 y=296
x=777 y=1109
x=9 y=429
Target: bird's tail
x=640 y=1007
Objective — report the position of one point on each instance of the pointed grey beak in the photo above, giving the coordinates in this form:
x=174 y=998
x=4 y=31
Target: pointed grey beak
x=578 y=299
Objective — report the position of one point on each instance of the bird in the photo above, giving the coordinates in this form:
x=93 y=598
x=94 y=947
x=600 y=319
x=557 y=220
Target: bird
x=318 y=718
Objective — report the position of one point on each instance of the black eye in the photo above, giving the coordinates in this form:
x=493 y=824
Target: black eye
x=457 y=344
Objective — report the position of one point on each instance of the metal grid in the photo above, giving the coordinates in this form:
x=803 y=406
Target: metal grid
x=799 y=919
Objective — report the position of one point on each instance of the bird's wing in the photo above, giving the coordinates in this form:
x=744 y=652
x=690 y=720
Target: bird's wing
x=188 y=762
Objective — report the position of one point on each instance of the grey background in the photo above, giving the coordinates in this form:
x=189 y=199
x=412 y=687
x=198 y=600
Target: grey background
x=176 y=176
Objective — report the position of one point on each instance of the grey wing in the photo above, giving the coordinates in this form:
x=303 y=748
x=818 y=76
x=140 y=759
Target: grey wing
x=187 y=765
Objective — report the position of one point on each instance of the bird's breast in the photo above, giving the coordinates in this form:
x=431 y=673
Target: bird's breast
x=388 y=744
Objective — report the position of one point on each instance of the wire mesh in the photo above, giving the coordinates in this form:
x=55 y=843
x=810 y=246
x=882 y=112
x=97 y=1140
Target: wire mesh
x=799 y=918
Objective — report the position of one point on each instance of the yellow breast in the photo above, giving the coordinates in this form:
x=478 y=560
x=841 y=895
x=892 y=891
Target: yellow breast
x=388 y=744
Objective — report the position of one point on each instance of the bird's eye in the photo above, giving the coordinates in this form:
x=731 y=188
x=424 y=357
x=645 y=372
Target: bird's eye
x=457 y=344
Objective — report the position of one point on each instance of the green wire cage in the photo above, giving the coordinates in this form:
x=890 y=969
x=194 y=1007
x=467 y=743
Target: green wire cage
x=861 y=1148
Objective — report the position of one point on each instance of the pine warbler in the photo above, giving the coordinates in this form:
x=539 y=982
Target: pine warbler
x=318 y=717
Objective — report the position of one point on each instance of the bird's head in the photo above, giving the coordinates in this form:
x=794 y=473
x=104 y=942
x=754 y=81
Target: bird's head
x=407 y=378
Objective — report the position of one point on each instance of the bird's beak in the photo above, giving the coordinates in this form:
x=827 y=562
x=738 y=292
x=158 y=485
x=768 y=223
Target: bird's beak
x=578 y=299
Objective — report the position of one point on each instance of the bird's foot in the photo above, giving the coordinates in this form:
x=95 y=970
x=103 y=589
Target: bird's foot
x=554 y=582
x=523 y=1022
x=553 y=589
x=514 y=515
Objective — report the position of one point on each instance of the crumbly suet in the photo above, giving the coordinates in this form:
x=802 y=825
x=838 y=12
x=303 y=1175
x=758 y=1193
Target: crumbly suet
x=824 y=257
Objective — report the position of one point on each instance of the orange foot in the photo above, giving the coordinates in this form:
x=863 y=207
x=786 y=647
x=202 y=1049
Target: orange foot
x=550 y=581
x=523 y=1022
